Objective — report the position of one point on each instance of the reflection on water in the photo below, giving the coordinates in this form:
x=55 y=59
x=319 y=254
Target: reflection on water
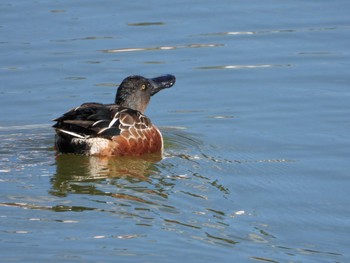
x=78 y=167
x=72 y=169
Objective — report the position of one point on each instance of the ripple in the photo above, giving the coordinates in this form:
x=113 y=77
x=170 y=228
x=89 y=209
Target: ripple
x=122 y=50
x=272 y=31
x=24 y=127
x=82 y=38
x=226 y=33
x=154 y=62
x=57 y=11
x=317 y=53
x=221 y=240
x=147 y=24
x=75 y=78
x=221 y=117
x=264 y=259
x=106 y=85
x=292 y=250
x=244 y=66
x=170 y=221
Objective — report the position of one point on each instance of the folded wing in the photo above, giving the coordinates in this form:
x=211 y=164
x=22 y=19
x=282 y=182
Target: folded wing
x=98 y=120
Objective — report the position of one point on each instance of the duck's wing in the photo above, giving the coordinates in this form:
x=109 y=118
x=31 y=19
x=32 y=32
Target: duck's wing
x=99 y=120
x=87 y=120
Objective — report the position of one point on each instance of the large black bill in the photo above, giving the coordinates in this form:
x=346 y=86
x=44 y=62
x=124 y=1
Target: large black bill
x=162 y=82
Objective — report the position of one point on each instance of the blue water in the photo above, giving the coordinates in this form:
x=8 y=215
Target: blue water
x=256 y=163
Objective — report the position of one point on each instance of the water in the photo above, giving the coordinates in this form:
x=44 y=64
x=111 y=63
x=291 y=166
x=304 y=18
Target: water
x=256 y=165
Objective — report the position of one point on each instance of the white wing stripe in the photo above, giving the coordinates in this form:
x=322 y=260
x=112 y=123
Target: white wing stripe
x=97 y=122
x=73 y=134
x=112 y=122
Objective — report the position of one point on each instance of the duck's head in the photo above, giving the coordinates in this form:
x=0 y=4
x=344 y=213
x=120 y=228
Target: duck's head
x=135 y=91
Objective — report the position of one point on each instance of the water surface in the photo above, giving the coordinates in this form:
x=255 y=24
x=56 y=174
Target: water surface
x=256 y=162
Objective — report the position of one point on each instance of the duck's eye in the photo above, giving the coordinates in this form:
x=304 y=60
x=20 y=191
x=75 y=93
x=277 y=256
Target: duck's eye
x=143 y=87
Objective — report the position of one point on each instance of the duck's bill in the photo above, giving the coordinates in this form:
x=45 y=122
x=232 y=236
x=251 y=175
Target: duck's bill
x=162 y=82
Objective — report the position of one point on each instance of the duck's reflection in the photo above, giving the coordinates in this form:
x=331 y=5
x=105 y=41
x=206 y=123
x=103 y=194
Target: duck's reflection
x=74 y=170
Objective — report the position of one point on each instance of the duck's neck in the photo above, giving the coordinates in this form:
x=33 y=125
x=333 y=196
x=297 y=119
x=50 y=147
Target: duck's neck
x=131 y=104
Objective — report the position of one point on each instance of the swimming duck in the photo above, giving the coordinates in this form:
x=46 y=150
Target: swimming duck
x=119 y=129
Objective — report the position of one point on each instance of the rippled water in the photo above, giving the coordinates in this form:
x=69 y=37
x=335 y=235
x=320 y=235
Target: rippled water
x=256 y=163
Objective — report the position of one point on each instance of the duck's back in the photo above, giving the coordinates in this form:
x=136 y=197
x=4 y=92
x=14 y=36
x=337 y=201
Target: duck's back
x=106 y=130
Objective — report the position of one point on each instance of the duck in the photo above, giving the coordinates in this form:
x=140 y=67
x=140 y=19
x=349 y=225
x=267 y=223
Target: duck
x=117 y=129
